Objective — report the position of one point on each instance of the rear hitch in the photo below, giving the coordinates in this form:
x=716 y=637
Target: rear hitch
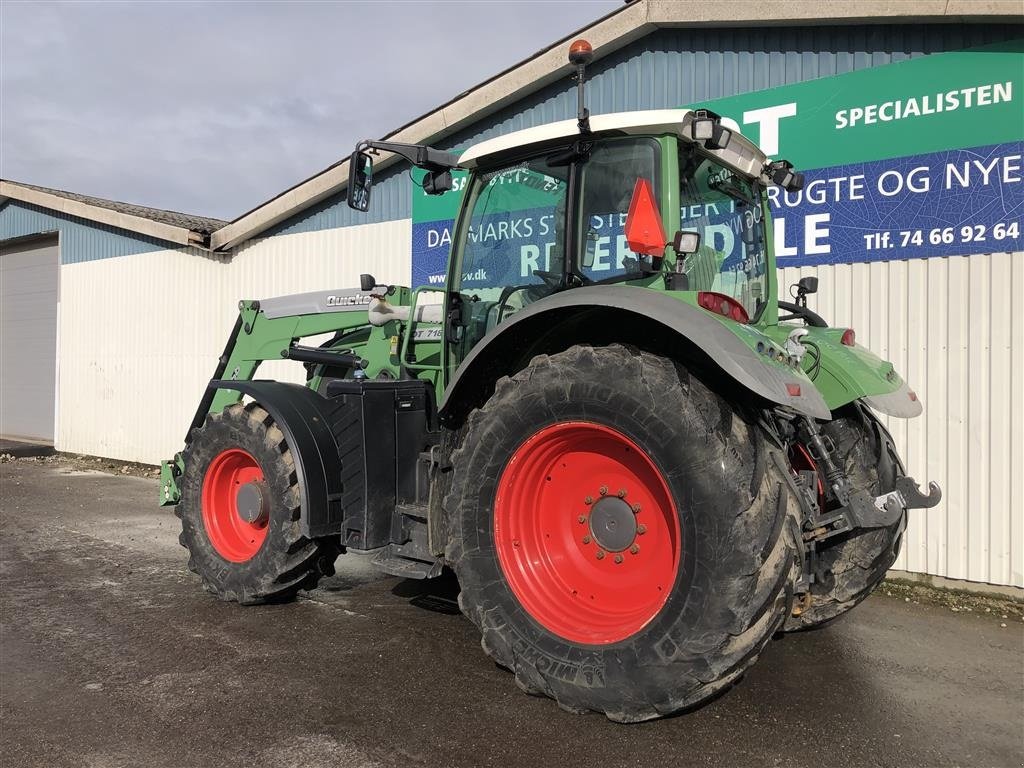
x=911 y=496
x=858 y=509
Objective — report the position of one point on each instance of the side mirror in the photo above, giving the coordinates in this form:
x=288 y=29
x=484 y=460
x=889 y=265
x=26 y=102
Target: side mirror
x=804 y=286
x=807 y=285
x=686 y=243
x=437 y=182
x=360 y=180
x=367 y=282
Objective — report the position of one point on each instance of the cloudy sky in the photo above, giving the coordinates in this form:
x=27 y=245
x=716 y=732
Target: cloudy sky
x=212 y=108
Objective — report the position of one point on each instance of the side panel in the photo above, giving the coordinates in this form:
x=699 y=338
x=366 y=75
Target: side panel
x=357 y=451
x=846 y=373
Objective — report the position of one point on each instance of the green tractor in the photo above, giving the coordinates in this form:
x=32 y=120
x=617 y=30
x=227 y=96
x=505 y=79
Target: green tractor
x=638 y=461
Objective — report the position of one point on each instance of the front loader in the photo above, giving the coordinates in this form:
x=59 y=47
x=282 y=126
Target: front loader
x=638 y=461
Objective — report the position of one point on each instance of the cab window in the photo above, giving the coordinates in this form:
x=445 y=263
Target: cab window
x=608 y=178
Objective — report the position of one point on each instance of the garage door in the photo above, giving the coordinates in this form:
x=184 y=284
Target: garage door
x=28 y=338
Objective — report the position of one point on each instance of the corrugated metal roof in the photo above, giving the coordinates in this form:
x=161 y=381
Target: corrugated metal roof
x=80 y=239
x=201 y=224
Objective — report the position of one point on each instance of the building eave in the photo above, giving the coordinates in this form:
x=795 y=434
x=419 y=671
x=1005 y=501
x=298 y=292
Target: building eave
x=608 y=35
x=137 y=224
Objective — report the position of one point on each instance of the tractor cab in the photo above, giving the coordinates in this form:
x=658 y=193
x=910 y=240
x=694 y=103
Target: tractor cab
x=670 y=200
x=637 y=200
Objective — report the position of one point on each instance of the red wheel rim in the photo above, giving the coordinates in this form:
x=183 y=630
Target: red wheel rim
x=234 y=538
x=560 y=520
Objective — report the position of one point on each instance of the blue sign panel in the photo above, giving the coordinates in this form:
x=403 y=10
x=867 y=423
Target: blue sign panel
x=950 y=203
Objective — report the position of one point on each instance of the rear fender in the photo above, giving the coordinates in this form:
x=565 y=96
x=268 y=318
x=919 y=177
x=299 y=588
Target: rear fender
x=851 y=373
x=719 y=350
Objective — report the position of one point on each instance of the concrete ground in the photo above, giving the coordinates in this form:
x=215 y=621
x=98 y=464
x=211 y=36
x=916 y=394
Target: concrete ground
x=112 y=655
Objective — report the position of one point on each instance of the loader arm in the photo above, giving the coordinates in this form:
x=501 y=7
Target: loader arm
x=271 y=329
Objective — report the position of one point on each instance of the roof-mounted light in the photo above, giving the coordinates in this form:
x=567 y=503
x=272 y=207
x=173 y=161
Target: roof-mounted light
x=707 y=129
x=781 y=172
x=580 y=52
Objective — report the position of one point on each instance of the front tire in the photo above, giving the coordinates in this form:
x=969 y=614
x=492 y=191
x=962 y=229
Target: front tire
x=633 y=634
x=239 y=511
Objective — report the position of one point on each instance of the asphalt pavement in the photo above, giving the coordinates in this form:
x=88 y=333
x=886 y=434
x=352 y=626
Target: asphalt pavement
x=112 y=655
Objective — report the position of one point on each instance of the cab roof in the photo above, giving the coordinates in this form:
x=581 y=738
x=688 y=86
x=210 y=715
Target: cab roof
x=741 y=154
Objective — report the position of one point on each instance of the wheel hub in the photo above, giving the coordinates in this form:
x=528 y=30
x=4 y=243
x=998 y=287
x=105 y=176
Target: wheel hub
x=613 y=524
x=251 y=503
x=236 y=505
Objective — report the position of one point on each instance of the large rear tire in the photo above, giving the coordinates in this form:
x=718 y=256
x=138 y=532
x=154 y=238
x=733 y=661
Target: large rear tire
x=851 y=568
x=625 y=540
x=239 y=511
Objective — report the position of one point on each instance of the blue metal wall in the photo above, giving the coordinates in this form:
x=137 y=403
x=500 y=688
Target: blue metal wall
x=392 y=198
x=675 y=67
x=80 y=239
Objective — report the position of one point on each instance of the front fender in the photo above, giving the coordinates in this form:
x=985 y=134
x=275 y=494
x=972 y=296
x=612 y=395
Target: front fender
x=615 y=313
x=303 y=416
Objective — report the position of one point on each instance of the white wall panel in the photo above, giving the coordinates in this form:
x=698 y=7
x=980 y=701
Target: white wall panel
x=954 y=327
x=140 y=334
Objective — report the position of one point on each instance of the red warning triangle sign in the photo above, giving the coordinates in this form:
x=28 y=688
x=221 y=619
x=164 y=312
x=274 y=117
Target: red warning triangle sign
x=645 y=233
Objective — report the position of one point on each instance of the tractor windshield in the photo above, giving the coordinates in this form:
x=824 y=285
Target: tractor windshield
x=510 y=243
x=725 y=209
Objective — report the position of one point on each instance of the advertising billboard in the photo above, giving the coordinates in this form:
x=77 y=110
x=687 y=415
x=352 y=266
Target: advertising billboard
x=919 y=159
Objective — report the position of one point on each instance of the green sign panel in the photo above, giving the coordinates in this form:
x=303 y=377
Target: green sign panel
x=943 y=101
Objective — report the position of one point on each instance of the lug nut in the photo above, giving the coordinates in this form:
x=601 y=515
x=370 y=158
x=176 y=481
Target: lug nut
x=618 y=558
x=588 y=500
x=641 y=529
x=586 y=539
x=582 y=519
x=636 y=509
x=622 y=493
x=603 y=490
x=634 y=549
x=600 y=554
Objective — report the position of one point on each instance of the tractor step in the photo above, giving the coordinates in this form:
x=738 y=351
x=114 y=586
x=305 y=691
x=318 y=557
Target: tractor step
x=412 y=558
x=391 y=560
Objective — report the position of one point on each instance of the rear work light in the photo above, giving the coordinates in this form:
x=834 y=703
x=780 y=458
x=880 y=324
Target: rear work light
x=723 y=305
x=849 y=337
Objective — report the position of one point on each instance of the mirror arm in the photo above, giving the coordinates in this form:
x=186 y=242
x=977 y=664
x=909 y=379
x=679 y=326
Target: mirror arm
x=421 y=156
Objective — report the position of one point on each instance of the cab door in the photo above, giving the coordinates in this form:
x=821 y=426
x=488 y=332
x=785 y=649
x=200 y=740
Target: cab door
x=509 y=248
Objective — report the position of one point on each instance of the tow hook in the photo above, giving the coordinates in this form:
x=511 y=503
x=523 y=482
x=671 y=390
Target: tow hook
x=908 y=496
